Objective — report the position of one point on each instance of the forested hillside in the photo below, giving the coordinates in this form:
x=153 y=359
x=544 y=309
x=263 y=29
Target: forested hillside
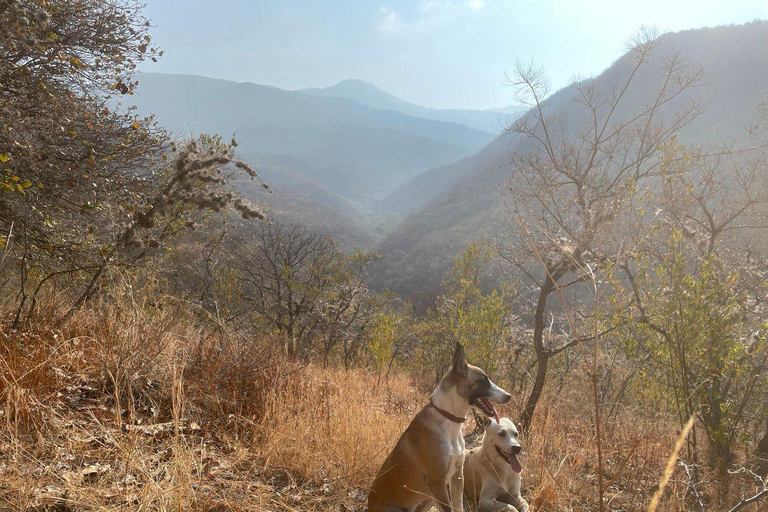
x=339 y=155
x=465 y=200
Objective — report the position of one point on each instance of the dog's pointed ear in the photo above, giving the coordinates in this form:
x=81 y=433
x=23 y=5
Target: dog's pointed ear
x=459 y=363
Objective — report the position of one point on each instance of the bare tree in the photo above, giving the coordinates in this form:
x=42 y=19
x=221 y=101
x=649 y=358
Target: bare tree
x=301 y=285
x=579 y=174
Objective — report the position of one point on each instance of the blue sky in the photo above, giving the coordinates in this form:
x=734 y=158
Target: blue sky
x=437 y=53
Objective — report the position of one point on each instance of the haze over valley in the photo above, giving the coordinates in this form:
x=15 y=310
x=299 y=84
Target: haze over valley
x=414 y=183
x=330 y=155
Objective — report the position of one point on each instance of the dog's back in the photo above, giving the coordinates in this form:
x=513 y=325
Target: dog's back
x=418 y=453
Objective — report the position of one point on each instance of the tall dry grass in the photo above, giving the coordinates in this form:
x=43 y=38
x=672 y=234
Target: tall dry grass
x=135 y=408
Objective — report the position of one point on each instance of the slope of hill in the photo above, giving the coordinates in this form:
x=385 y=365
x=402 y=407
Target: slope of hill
x=312 y=207
x=420 y=190
x=468 y=196
x=491 y=120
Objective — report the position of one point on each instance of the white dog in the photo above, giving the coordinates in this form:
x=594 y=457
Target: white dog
x=492 y=471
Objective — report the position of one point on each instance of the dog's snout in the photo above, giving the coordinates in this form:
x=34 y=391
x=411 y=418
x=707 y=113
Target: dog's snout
x=498 y=395
x=515 y=450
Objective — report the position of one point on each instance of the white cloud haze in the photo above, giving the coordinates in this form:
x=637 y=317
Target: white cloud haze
x=438 y=53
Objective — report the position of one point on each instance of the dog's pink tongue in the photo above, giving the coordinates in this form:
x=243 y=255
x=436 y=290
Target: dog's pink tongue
x=495 y=414
x=516 y=467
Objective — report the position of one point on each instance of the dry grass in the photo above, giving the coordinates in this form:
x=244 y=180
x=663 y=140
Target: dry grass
x=335 y=425
x=134 y=408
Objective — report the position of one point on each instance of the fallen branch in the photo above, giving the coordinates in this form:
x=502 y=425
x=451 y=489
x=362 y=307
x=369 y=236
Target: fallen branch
x=693 y=484
x=757 y=497
x=754 y=499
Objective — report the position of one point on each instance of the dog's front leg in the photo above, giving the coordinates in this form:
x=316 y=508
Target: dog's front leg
x=521 y=504
x=492 y=501
x=457 y=490
x=516 y=501
x=441 y=493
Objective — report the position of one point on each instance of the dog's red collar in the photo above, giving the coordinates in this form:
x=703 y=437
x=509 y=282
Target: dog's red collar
x=448 y=415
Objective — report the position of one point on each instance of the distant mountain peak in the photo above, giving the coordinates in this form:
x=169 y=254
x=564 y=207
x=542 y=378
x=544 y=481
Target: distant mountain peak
x=372 y=96
x=355 y=82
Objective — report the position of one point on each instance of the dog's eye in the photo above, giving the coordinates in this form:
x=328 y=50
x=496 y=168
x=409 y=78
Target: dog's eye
x=503 y=433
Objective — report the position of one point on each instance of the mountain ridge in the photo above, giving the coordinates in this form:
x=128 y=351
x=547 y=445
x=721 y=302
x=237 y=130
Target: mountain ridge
x=340 y=155
x=489 y=120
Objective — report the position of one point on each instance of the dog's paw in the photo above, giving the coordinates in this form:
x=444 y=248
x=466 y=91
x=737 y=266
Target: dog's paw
x=495 y=506
x=522 y=505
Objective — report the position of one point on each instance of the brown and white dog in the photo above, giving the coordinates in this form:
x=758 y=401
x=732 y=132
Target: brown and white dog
x=426 y=466
x=492 y=471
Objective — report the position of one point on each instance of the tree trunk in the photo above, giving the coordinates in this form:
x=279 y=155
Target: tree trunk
x=542 y=354
x=720 y=459
x=88 y=292
x=761 y=455
x=533 y=399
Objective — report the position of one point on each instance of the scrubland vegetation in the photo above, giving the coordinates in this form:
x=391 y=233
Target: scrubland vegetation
x=166 y=347
x=137 y=406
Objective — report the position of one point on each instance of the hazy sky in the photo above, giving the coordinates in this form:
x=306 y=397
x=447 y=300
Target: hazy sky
x=438 y=53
